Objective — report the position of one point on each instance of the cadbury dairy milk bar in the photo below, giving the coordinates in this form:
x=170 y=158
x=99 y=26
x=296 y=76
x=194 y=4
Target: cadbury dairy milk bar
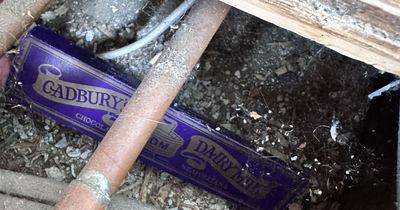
x=72 y=86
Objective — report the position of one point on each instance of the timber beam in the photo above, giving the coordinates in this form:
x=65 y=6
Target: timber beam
x=365 y=30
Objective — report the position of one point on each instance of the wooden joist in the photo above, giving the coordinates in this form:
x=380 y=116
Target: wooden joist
x=366 y=30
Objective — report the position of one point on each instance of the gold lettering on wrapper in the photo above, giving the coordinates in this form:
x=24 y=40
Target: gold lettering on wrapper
x=165 y=141
x=202 y=151
x=50 y=86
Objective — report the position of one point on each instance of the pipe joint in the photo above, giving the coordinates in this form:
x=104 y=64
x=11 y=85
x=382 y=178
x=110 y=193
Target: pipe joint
x=97 y=183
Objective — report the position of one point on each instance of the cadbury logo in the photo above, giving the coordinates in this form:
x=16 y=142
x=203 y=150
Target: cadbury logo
x=202 y=150
x=50 y=85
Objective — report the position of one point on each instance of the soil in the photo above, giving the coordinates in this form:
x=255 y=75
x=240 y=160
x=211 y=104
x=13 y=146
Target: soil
x=378 y=190
x=283 y=94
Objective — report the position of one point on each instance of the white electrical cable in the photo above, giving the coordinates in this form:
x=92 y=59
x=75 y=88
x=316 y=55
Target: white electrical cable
x=156 y=32
x=395 y=85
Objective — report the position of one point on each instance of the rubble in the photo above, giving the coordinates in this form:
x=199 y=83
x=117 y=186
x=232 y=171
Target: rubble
x=275 y=94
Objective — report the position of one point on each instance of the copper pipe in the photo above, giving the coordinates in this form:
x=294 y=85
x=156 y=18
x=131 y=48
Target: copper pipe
x=5 y=66
x=128 y=135
x=15 y=17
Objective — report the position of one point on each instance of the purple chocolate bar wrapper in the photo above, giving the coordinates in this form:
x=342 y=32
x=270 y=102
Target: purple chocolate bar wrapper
x=63 y=81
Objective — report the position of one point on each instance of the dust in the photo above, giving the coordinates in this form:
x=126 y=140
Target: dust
x=172 y=67
x=277 y=91
x=15 y=17
x=281 y=93
x=336 y=14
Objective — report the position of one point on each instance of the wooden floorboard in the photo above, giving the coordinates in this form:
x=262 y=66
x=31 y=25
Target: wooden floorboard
x=366 y=30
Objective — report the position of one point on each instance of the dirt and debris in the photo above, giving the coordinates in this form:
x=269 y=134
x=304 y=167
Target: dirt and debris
x=309 y=100
x=283 y=94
